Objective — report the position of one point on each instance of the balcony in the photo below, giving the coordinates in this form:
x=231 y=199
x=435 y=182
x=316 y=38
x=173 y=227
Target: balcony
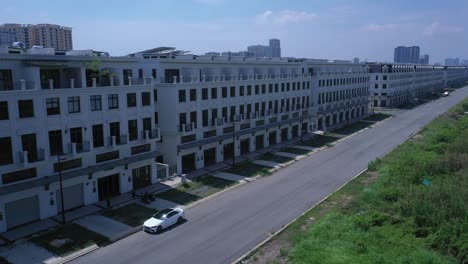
x=117 y=140
x=74 y=148
x=230 y=78
x=26 y=157
x=150 y=134
x=185 y=128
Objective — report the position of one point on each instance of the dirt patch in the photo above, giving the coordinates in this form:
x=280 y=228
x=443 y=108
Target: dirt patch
x=417 y=137
x=372 y=177
x=275 y=251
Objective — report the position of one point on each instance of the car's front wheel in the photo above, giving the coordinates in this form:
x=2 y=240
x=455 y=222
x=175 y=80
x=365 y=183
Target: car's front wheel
x=159 y=229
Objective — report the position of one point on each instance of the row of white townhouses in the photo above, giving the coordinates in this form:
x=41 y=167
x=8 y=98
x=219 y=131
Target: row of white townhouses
x=118 y=124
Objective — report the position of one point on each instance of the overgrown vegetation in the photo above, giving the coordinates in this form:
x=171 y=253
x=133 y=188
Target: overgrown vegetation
x=249 y=169
x=416 y=211
x=410 y=207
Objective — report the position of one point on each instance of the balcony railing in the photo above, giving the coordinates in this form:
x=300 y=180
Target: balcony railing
x=74 y=148
x=230 y=78
x=31 y=156
x=117 y=140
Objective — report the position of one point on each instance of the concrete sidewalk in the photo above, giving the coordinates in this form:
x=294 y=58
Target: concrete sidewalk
x=303 y=147
x=289 y=155
x=268 y=163
x=103 y=225
x=25 y=252
x=231 y=177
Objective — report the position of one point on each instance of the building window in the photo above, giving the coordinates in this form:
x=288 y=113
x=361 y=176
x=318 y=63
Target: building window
x=182 y=96
x=153 y=73
x=131 y=100
x=6 y=81
x=147 y=124
x=25 y=108
x=249 y=90
x=4 y=115
x=132 y=130
x=156 y=118
x=214 y=93
x=155 y=95
x=140 y=73
x=113 y=101
x=224 y=92
x=53 y=106
x=193 y=118
x=241 y=91
x=232 y=91
x=384 y=86
x=205 y=118
x=6 y=155
x=55 y=142
x=145 y=98
x=95 y=102
x=376 y=86
x=204 y=93
x=73 y=104
x=114 y=129
x=257 y=89
x=193 y=94
x=385 y=77
x=98 y=136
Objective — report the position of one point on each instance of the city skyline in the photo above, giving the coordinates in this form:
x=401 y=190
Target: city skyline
x=306 y=29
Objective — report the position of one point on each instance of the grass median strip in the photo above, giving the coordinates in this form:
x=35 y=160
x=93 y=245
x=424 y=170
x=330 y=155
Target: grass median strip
x=274 y=158
x=131 y=214
x=294 y=150
x=377 y=117
x=410 y=207
x=319 y=141
x=249 y=169
x=195 y=190
x=68 y=239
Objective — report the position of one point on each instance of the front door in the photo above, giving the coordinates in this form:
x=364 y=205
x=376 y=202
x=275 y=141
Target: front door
x=141 y=177
x=108 y=186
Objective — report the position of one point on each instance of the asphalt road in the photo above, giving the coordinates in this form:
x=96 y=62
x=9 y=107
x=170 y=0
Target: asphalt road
x=224 y=228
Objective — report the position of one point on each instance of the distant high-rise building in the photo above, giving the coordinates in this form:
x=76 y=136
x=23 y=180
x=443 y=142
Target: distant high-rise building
x=404 y=54
x=452 y=61
x=465 y=62
x=424 y=59
x=273 y=50
x=6 y=38
x=46 y=35
x=356 y=60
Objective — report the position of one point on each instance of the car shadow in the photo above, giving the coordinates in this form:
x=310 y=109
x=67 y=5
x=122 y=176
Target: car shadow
x=168 y=228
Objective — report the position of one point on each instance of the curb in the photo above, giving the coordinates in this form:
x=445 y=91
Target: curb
x=274 y=234
x=72 y=256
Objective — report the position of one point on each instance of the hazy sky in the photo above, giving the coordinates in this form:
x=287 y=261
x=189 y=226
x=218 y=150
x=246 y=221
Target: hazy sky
x=331 y=29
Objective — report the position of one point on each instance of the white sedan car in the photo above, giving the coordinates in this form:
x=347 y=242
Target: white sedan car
x=164 y=219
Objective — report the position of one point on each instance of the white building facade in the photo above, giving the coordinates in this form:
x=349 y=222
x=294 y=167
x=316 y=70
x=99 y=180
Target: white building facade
x=124 y=123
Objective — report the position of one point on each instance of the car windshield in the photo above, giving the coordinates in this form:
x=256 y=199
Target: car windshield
x=162 y=214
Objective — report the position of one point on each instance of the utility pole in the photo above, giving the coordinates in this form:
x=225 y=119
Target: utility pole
x=61 y=187
x=233 y=141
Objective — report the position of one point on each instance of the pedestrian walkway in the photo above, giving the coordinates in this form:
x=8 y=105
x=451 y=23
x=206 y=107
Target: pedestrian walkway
x=25 y=252
x=102 y=225
x=29 y=230
x=268 y=163
x=77 y=213
x=217 y=167
x=161 y=204
x=231 y=177
x=289 y=155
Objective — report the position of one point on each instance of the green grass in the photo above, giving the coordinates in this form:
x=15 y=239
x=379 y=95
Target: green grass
x=132 y=214
x=377 y=117
x=80 y=237
x=398 y=219
x=352 y=128
x=387 y=215
x=274 y=158
x=196 y=190
x=319 y=141
x=249 y=169
x=296 y=151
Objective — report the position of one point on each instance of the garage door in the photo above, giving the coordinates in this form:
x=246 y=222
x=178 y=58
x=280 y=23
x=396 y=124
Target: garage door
x=73 y=196
x=22 y=211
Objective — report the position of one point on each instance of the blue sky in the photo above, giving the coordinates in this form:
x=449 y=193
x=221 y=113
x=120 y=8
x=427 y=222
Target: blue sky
x=332 y=29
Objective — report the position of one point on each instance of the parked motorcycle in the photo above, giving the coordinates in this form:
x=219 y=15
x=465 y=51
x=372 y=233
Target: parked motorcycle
x=148 y=198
